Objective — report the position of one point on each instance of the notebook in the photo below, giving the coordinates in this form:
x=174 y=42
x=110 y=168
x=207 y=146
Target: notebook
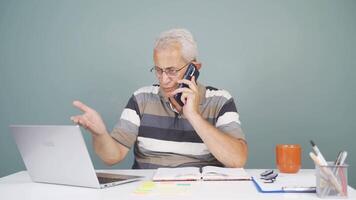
x=301 y=182
x=207 y=173
x=58 y=155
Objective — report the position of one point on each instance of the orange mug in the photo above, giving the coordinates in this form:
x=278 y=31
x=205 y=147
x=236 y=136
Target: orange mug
x=288 y=157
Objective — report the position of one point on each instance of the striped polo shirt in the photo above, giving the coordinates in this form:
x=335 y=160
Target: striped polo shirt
x=164 y=138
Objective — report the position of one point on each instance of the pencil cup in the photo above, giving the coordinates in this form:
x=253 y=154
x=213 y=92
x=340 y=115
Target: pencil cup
x=331 y=181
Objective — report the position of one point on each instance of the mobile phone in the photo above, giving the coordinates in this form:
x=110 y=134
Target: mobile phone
x=189 y=73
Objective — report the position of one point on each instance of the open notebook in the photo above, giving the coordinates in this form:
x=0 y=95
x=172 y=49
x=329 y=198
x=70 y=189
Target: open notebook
x=208 y=173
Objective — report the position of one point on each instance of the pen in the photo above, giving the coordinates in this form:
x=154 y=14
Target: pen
x=318 y=153
x=339 y=162
x=340 y=168
x=338 y=158
x=317 y=162
x=315 y=158
x=298 y=189
x=343 y=158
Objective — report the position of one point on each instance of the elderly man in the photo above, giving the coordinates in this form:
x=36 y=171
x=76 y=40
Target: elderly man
x=204 y=131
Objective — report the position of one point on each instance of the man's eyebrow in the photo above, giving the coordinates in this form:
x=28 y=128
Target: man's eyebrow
x=166 y=67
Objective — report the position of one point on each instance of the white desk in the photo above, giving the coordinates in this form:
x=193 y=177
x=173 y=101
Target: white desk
x=19 y=186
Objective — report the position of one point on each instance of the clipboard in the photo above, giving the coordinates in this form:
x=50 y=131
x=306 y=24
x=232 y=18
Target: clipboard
x=301 y=182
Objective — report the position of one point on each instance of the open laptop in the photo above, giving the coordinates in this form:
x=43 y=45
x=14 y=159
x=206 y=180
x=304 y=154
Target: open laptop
x=58 y=154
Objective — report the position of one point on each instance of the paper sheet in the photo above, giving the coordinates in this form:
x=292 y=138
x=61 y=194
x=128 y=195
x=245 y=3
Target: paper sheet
x=298 y=180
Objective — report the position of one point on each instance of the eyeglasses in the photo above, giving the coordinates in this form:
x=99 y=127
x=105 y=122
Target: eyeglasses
x=170 y=71
x=269 y=176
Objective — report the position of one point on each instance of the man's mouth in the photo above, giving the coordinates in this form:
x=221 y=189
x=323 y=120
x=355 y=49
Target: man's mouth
x=169 y=90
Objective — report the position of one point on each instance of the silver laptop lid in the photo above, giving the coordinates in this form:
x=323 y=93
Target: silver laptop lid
x=55 y=154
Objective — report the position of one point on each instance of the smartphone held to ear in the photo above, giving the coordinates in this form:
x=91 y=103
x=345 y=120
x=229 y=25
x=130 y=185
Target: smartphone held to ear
x=191 y=71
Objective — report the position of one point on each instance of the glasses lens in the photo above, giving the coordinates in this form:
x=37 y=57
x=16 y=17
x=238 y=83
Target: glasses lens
x=171 y=72
x=158 y=70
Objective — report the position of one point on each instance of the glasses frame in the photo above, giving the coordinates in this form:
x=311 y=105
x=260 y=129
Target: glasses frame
x=154 y=68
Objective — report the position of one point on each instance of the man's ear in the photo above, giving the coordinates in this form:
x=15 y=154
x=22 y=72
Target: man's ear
x=197 y=64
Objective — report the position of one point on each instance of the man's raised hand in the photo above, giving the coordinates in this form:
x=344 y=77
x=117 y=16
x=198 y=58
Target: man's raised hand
x=90 y=119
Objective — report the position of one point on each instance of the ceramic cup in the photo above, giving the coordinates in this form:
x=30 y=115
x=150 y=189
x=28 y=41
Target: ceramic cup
x=288 y=157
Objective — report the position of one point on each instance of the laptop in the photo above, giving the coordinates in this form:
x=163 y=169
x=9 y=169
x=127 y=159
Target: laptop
x=58 y=155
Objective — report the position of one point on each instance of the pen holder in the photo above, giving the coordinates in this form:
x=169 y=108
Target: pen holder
x=331 y=181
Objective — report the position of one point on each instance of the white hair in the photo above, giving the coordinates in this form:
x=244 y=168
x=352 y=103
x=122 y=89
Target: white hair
x=182 y=36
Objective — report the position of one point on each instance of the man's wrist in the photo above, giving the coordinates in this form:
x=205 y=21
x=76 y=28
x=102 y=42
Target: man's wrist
x=100 y=135
x=194 y=117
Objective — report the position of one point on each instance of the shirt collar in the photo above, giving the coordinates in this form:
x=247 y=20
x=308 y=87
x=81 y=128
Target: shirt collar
x=201 y=90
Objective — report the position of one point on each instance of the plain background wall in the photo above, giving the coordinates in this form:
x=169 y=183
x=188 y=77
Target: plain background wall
x=290 y=65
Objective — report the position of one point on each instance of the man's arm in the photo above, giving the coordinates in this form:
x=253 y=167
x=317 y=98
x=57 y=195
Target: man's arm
x=110 y=151
x=230 y=151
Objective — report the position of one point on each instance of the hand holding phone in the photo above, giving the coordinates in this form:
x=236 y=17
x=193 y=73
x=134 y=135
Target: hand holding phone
x=189 y=73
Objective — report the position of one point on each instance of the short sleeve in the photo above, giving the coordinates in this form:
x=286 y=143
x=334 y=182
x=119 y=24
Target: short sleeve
x=228 y=119
x=126 y=129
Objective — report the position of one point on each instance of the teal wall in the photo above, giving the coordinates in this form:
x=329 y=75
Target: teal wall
x=291 y=66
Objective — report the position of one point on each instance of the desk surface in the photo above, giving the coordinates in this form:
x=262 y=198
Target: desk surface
x=19 y=186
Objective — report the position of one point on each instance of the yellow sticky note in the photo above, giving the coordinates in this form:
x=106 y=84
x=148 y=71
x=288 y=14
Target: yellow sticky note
x=145 y=187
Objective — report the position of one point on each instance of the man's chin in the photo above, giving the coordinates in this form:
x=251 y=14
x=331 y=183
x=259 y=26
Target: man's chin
x=168 y=92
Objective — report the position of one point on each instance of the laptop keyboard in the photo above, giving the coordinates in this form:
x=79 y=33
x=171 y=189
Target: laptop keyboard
x=103 y=180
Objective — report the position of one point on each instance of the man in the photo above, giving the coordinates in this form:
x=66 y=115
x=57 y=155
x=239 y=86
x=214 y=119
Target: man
x=205 y=131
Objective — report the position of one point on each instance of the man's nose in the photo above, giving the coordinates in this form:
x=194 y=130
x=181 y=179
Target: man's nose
x=165 y=78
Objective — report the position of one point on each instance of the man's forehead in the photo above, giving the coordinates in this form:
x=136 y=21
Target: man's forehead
x=169 y=50
x=168 y=45
x=168 y=57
